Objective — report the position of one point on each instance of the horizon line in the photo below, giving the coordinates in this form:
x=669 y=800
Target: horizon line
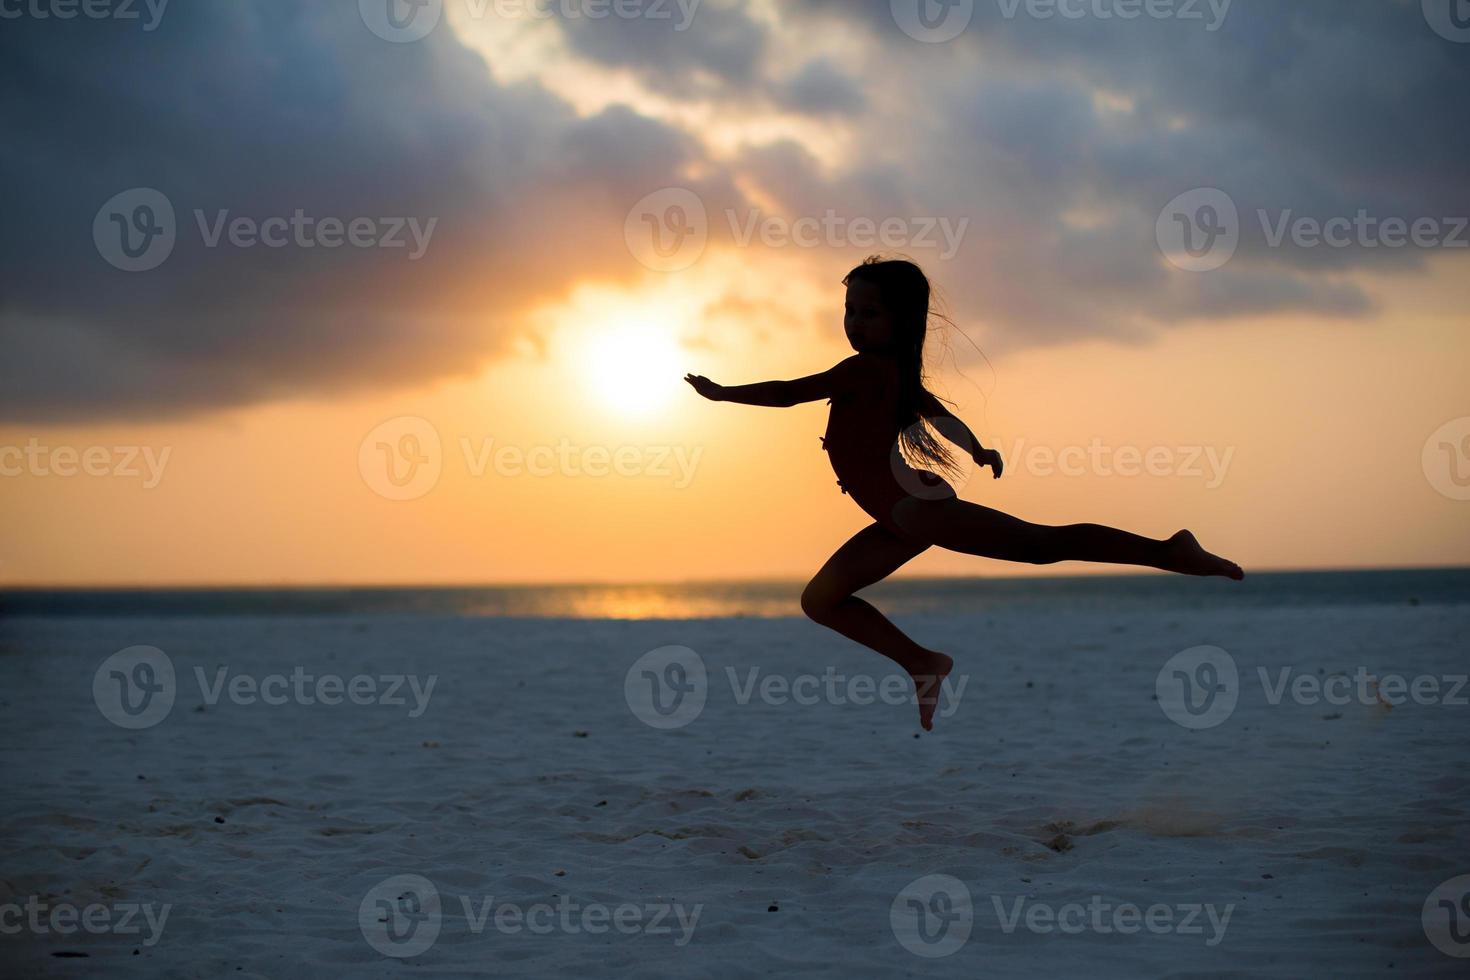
x=616 y=583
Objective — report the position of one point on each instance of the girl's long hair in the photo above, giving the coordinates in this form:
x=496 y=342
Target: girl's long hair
x=906 y=293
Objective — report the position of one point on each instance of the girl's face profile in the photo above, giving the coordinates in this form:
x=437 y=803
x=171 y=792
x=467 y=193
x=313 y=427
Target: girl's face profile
x=868 y=324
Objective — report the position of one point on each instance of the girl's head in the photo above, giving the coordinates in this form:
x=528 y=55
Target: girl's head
x=888 y=310
x=887 y=307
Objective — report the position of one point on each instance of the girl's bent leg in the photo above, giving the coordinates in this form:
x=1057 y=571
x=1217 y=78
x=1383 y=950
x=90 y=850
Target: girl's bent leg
x=869 y=556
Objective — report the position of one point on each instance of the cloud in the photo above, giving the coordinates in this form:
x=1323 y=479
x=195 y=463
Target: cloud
x=716 y=44
x=820 y=88
x=266 y=110
x=1057 y=142
x=1062 y=139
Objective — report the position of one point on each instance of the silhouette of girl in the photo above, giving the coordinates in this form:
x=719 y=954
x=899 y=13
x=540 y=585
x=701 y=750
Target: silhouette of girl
x=878 y=403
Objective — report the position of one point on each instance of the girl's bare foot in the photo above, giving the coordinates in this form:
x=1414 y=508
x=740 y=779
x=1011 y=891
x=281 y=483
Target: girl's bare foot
x=929 y=673
x=1187 y=557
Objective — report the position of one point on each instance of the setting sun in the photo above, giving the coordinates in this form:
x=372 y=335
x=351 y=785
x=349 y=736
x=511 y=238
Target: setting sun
x=632 y=365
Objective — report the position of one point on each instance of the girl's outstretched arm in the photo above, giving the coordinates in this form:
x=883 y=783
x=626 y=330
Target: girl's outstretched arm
x=784 y=394
x=957 y=432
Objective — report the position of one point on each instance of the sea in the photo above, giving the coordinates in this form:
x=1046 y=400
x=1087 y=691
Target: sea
x=765 y=598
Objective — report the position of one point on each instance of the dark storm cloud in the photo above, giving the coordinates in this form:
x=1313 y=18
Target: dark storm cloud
x=1317 y=101
x=709 y=49
x=260 y=110
x=712 y=45
x=1063 y=138
x=820 y=88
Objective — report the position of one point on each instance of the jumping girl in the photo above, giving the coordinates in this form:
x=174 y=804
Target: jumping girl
x=878 y=404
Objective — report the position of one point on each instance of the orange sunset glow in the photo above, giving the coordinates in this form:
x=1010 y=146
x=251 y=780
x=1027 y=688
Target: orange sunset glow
x=544 y=352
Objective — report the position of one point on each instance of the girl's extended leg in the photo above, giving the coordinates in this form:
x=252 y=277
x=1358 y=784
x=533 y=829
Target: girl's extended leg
x=960 y=525
x=870 y=556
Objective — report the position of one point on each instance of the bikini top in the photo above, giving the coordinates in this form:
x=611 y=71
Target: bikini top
x=826 y=450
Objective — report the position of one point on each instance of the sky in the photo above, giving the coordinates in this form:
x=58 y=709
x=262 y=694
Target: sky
x=335 y=293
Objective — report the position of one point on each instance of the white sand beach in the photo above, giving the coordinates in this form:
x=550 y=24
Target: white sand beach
x=1088 y=833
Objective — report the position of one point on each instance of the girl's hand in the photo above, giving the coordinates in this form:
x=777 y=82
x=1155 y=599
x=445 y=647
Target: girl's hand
x=705 y=387
x=990 y=458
